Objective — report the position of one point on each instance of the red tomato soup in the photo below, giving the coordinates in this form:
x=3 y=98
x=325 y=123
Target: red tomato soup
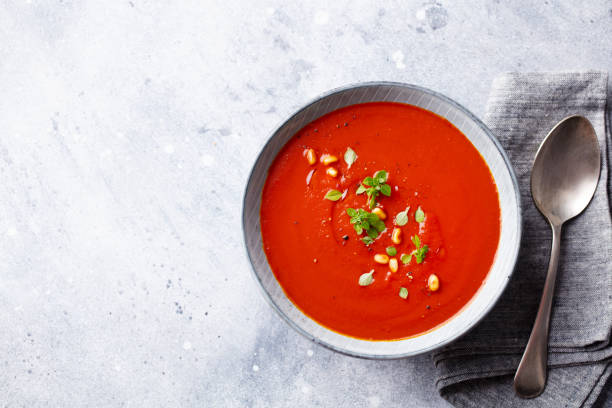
x=427 y=181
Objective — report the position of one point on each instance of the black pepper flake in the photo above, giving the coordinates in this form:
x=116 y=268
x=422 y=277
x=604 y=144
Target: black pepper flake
x=316 y=130
x=338 y=126
x=428 y=307
x=345 y=237
x=345 y=124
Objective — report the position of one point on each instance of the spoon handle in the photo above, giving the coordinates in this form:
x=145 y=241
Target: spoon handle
x=530 y=378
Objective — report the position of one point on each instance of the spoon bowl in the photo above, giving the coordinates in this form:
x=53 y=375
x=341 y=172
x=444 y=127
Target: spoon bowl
x=563 y=180
x=566 y=169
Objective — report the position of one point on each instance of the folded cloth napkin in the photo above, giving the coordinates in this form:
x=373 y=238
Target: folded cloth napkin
x=477 y=370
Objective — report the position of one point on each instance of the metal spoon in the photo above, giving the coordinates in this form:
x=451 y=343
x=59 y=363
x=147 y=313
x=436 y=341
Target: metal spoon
x=563 y=180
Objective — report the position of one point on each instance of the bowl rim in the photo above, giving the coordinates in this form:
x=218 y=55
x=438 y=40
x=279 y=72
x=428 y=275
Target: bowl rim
x=515 y=250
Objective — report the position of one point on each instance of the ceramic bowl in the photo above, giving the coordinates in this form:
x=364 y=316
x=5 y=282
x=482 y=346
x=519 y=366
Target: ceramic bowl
x=505 y=257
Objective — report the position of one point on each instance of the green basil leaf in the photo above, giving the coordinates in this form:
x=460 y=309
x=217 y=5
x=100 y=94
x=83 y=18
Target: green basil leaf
x=419 y=215
x=372 y=217
x=366 y=279
x=367 y=240
x=379 y=225
x=401 y=218
x=358 y=229
x=361 y=189
x=349 y=157
x=351 y=212
x=381 y=176
x=333 y=195
x=406 y=258
x=391 y=251
x=403 y=293
x=386 y=190
x=420 y=254
x=368 y=181
x=373 y=233
x=416 y=241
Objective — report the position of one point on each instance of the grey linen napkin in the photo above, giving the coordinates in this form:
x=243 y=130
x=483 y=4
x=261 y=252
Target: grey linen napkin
x=477 y=370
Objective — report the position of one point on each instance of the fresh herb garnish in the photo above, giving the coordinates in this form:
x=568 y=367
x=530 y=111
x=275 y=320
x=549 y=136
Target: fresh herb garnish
x=366 y=221
x=403 y=293
x=401 y=218
x=366 y=279
x=350 y=156
x=419 y=215
x=385 y=189
x=333 y=195
x=418 y=253
x=391 y=251
x=373 y=186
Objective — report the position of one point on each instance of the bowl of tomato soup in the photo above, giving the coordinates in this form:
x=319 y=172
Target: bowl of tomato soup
x=382 y=220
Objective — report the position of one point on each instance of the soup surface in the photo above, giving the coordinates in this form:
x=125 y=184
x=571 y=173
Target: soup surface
x=380 y=221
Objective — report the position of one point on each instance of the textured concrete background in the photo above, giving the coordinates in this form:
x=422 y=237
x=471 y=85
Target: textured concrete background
x=127 y=132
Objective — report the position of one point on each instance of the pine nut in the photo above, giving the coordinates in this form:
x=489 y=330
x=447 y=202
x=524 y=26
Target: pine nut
x=311 y=156
x=379 y=211
x=396 y=236
x=393 y=265
x=328 y=159
x=433 y=283
x=381 y=258
x=331 y=172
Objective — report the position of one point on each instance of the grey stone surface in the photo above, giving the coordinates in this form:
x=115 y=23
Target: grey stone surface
x=128 y=130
